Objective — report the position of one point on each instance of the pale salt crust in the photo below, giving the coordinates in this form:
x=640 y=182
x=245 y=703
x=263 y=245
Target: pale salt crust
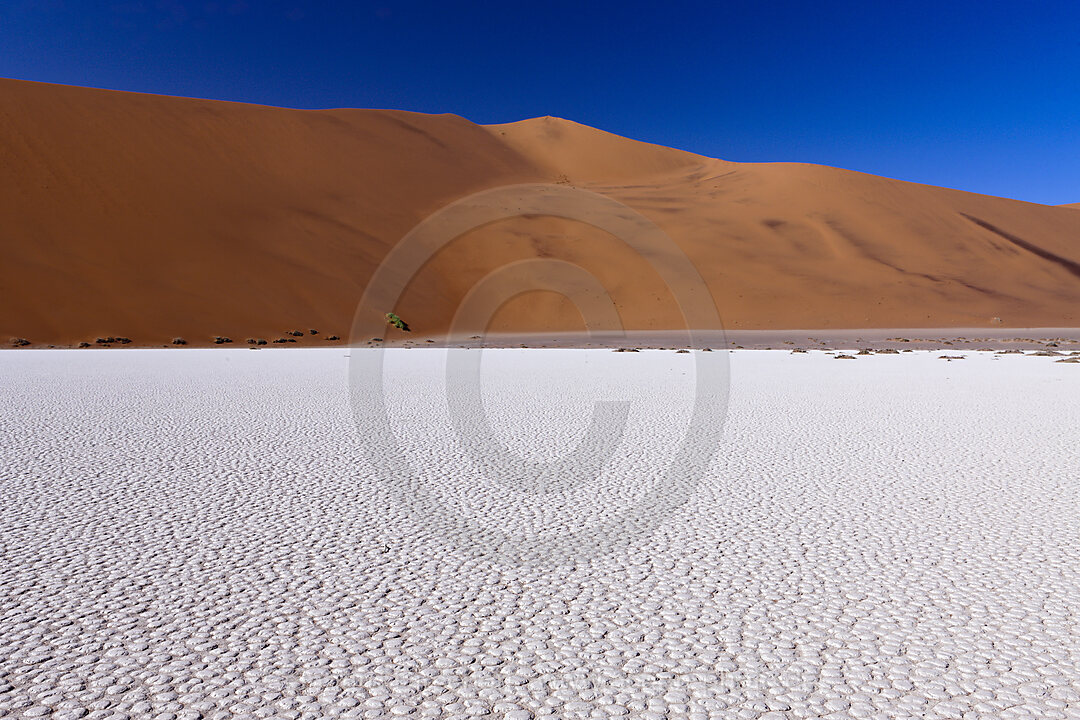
x=196 y=534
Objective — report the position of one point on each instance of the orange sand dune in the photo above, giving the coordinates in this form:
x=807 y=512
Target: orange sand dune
x=1072 y=205
x=154 y=217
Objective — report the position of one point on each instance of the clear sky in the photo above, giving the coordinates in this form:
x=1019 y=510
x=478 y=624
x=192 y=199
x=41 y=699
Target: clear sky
x=981 y=95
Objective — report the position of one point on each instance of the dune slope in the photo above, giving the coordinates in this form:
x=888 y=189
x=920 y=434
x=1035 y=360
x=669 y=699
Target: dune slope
x=155 y=217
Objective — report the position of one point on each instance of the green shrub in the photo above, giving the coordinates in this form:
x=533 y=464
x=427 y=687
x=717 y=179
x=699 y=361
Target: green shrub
x=397 y=322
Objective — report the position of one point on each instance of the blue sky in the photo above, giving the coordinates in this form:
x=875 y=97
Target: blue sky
x=981 y=96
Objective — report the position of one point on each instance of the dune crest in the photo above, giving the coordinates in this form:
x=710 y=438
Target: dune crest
x=156 y=217
x=584 y=154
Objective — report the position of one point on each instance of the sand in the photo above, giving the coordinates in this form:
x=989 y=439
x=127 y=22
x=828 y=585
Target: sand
x=203 y=532
x=153 y=218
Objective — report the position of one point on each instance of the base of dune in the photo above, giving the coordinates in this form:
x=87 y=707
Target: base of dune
x=209 y=534
x=820 y=338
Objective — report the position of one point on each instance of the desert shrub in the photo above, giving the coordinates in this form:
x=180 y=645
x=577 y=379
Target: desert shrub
x=397 y=322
